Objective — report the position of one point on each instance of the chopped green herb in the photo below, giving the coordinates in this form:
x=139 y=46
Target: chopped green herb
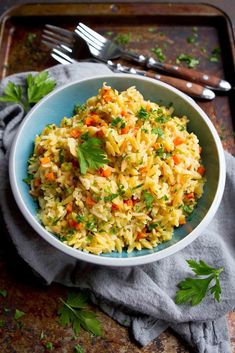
x=152 y=226
x=194 y=29
x=90 y=155
x=122 y=38
x=190 y=60
x=215 y=55
x=3 y=293
x=194 y=290
x=111 y=197
x=18 y=314
x=118 y=121
x=42 y=335
x=148 y=199
x=157 y=131
x=90 y=225
x=162 y=154
x=78 y=108
x=165 y=198
x=31 y=37
x=187 y=209
x=49 y=346
x=192 y=39
x=162 y=119
x=85 y=136
x=80 y=219
x=78 y=349
x=138 y=186
x=61 y=156
x=109 y=33
x=144 y=130
x=74 y=311
x=158 y=52
x=143 y=114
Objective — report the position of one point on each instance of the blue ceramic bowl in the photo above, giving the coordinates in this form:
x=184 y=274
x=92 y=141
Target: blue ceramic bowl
x=61 y=102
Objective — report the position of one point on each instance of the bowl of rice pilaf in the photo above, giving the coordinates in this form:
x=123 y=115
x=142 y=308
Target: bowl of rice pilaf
x=117 y=170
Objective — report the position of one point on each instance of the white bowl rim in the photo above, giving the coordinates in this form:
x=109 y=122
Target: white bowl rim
x=119 y=261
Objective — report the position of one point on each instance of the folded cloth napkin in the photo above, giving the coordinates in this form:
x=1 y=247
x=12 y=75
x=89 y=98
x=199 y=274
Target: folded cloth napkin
x=139 y=297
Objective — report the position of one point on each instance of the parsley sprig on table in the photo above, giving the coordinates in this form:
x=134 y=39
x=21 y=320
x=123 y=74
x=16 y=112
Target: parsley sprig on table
x=90 y=155
x=74 y=311
x=37 y=87
x=194 y=290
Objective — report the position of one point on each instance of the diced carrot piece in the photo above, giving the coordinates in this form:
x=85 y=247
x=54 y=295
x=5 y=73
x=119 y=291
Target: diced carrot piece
x=99 y=133
x=89 y=121
x=156 y=145
x=201 y=170
x=69 y=207
x=123 y=113
x=107 y=173
x=89 y=201
x=50 y=176
x=141 y=235
x=200 y=149
x=44 y=160
x=190 y=196
x=95 y=118
x=176 y=159
x=37 y=182
x=103 y=123
x=143 y=170
x=114 y=207
x=75 y=132
x=74 y=224
x=182 y=221
x=125 y=130
x=107 y=95
x=128 y=202
x=178 y=140
x=148 y=107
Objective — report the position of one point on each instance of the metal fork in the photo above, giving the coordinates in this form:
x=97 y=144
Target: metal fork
x=107 y=49
x=66 y=47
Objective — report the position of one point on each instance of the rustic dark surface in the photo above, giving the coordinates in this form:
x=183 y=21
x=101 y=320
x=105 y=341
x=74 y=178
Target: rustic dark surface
x=22 y=51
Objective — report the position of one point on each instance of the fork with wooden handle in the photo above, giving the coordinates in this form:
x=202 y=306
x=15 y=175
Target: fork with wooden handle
x=109 y=50
x=65 y=44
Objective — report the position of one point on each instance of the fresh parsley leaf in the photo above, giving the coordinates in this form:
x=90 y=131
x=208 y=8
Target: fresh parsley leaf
x=148 y=199
x=118 y=121
x=90 y=155
x=78 y=349
x=12 y=93
x=80 y=219
x=143 y=114
x=158 y=52
x=74 y=311
x=18 y=314
x=36 y=87
x=190 y=60
x=3 y=293
x=39 y=86
x=194 y=290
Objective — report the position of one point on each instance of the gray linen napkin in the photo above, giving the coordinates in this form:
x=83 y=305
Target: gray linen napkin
x=141 y=298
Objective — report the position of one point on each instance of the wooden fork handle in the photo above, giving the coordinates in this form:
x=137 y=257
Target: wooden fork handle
x=191 y=74
x=187 y=87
